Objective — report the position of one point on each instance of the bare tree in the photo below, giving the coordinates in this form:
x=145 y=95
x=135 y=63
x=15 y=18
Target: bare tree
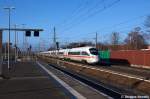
x=147 y=23
x=135 y=39
x=115 y=38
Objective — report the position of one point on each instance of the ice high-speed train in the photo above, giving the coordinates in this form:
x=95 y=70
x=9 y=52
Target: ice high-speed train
x=83 y=54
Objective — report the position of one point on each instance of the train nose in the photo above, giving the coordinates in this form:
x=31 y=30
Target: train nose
x=95 y=59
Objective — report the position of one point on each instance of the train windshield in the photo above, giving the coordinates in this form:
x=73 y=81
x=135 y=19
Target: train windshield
x=93 y=51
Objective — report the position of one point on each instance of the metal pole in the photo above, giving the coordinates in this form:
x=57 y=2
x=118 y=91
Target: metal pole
x=96 y=40
x=1 y=51
x=23 y=41
x=15 y=45
x=1 y=60
x=26 y=46
x=5 y=50
x=9 y=40
x=9 y=9
x=39 y=46
x=54 y=38
x=23 y=44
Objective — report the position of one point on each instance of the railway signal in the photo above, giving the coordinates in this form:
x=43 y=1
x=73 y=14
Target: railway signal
x=36 y=33
x=28 y=33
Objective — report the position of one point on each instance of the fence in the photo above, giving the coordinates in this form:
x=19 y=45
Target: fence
x=140 y=58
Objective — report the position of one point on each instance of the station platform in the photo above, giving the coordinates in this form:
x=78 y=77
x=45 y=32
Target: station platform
x=26 y=80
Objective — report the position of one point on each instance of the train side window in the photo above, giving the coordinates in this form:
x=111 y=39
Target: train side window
x=93 y=51
x=84 y=53
x=69 y=53
x=61 y=53
x=74 y=53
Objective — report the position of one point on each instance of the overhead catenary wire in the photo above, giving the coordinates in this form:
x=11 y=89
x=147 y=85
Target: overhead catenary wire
x=87 y=8
x=73 y=14
x=122 y=23
x=113 y=26
x=89 y=15
x=118 y=24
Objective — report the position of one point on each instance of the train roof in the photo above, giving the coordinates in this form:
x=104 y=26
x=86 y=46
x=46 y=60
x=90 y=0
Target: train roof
x=72 y=49
x=87 y=47
x=78 y=48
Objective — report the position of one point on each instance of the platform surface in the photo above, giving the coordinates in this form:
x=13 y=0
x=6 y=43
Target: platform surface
x=28 y=81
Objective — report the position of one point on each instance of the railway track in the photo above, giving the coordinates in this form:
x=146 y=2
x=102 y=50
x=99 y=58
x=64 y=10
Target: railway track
x=116 y=77
x=141 y=73
x=127 y=70
x=108 y=91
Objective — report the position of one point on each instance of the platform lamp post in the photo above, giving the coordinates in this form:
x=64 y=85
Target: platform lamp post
x=16 y=42
x=9 y=10
x=24 y=46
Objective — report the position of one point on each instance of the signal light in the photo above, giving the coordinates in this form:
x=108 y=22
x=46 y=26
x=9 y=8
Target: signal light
x=28 y=33
x=36 y=33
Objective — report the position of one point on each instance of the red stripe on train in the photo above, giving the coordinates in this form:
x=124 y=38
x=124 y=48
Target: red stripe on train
x=79 y=56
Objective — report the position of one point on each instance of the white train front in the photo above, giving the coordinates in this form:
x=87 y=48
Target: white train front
x=83 y=54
